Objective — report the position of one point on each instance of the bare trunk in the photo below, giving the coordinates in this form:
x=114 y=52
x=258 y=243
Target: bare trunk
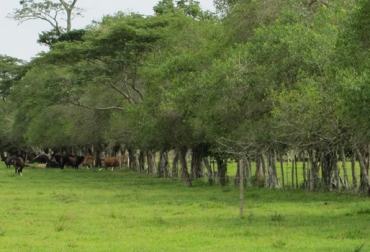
x=151 y=162
x=314 y=179
x=264 y=169
x=296 y=171
x=259 y=180
x=163 y=164
x=273 y=181
x=305 y=175
x=282 y=170
x=293 y=165
x=196 y=164
x=142 y=161
x=221 y=169
x=344 y=167
x=175 y=162
x=209 y=170
x=133 y=159
x=364 y=181
x=353 y=169
x=248 y=171
x=184 y=167
x=237 y=174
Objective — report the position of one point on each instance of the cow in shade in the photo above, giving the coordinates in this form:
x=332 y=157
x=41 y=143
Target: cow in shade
x=110 y=162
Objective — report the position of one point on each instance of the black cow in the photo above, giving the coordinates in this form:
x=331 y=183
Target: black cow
x=68 y=159
x=7 y=160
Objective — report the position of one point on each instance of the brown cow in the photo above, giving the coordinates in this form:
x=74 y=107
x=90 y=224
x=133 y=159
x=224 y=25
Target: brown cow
x=111 y=162
x=88 y=162
x=18 y=164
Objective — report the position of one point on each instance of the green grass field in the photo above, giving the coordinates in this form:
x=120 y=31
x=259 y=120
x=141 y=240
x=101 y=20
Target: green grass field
x=91 y=210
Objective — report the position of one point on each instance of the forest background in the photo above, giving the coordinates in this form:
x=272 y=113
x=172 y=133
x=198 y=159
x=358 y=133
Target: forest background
x=258 y=81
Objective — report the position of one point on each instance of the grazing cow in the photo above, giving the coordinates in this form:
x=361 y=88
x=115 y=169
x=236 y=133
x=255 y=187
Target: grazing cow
x=111 y=162
x=8 y=160
x=67 y=159
x=18 y=164
x=88 y=162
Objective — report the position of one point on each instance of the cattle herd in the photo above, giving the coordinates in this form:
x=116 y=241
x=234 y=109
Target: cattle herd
x=57 y=160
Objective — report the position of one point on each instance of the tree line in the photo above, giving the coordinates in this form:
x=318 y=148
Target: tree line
x=255 y=80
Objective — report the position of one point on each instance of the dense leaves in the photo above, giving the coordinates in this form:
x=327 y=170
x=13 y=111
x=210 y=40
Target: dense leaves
x=262 y=77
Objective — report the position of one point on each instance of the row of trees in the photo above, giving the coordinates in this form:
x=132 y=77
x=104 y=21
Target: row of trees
x=255 y=81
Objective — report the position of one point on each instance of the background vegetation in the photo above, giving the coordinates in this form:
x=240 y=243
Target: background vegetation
x=259 y=81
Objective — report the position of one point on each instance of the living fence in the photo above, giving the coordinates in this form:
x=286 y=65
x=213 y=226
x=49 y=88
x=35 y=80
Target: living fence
x=262 y=171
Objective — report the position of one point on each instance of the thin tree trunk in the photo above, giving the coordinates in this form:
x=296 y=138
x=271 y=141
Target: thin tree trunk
x=196 y=164
x=264 y=169
x=282 y=170
x=353 y=169
x=364 y=181
x=184 y=167
x=272 y=174
x=293 y=166
x=344 y=167
x=163 y=164
x=305 y=175
x=133 y=159
x=175 y=162
x=209 y=170
x=222 y=169
x=296 y=171
x=313 y=170
x=237 y=174
x=248 y=172
x=151 y=162
x=142 y=161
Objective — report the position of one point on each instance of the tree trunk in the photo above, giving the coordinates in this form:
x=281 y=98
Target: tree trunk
x=163 y=165
x=151 y=162
x=222 y=169
x=69 y=8
x=209 y=170
x=364 y=181
x=344 y=167
x=133 y=159
x=305 y=175
x=175 y=162
x=196 y=164
x=327 y=168
x=259 y=176
x=142 y=161
x=314 y=179
x=248 y=171
x=273 y=181
x=184 y=167
x=264 y=169
x=353 y=169
x=281 y=169
x=293 y=165
x=296 y=171
x=237 y=174
x=336 y=180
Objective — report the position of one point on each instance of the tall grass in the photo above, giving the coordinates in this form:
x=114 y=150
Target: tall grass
x=91 y=210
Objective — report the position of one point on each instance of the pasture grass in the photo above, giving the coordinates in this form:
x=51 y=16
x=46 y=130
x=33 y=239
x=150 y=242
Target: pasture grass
x=91 y=210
